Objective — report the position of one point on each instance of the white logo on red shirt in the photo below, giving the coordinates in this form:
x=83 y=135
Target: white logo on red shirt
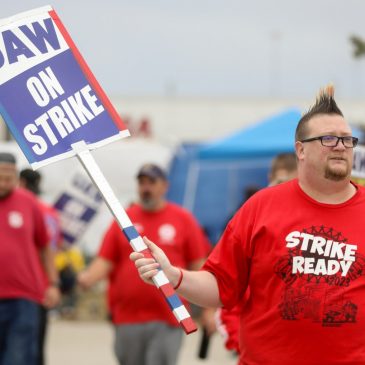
x=15 y=219
x=167 y=233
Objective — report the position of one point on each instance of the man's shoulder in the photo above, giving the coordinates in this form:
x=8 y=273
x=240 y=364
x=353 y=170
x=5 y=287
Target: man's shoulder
x=277 y=190
x=132 y=207
x=25 y=196
x=48 y=209
x=176 y=208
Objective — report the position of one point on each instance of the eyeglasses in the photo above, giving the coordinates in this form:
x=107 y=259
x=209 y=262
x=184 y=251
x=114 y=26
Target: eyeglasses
x=332 y=141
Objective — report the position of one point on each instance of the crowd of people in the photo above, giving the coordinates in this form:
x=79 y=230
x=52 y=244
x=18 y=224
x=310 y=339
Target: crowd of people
x=284 y=284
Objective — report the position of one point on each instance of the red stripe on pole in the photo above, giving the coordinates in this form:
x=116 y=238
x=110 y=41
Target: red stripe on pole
x=188 y=325
x=167 y=290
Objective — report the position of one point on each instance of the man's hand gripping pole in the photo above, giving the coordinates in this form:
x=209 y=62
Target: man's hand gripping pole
x=162 y=283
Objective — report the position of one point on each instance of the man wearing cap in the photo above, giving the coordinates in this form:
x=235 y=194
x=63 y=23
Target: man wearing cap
x=24 y=240
x=147 y=333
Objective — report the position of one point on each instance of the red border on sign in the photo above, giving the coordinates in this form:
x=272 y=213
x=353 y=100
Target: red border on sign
x=89 y=75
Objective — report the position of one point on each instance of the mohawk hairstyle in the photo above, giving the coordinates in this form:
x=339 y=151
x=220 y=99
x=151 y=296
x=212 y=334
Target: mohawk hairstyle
x=325 y=104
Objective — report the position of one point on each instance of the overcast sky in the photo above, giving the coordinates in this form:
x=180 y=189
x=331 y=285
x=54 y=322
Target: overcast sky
x=215 y=47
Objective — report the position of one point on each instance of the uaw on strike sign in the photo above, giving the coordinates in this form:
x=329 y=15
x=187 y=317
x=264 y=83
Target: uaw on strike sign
x=55 y=109
x=48 y=96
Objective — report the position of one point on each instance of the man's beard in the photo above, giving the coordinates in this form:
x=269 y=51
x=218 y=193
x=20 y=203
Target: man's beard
x=148 y=202
x=337 y=174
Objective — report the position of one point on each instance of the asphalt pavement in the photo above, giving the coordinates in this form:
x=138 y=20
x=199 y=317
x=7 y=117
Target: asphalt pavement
x=90 y=342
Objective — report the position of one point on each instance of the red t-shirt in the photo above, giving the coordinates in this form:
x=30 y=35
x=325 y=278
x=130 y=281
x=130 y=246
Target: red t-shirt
x=227 y=322
x=23 y=233
x=304 y=263
x=173 y=229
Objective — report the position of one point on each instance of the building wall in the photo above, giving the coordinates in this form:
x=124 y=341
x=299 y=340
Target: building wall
x=172 y=120
x=198 y=119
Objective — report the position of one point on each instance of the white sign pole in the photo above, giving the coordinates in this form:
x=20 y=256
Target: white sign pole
x=135 y=240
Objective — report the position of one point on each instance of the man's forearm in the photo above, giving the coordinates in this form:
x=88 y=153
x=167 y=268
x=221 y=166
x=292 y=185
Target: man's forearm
x=199 y=287
x=99 y=269
x=47 y=258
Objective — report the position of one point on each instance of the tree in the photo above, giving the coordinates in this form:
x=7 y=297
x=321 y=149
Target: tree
x=359 y=46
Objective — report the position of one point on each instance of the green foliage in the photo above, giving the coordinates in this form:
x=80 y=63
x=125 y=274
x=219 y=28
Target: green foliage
x=359 y=46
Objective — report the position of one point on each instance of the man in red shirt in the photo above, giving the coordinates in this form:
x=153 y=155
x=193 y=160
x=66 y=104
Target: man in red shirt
x=147 y=332
x=299 y=247
x=24 y=241
x=31 y=180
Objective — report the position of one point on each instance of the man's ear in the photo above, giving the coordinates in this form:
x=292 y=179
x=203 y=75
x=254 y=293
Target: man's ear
x=299 y=150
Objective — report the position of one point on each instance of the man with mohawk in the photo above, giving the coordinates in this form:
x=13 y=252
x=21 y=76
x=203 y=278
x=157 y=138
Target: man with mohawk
x=300 y=247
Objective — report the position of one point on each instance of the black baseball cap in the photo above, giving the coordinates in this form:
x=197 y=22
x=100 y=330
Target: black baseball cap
x=32 y=180
x=152 y=171
x=6 y=157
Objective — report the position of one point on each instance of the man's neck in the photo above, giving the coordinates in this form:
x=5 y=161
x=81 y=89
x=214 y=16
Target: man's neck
x=159 y=206
x=328 y=191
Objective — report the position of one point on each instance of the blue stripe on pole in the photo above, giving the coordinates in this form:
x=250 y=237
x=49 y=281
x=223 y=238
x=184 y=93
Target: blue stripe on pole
x=131 y=233
x=174 y=301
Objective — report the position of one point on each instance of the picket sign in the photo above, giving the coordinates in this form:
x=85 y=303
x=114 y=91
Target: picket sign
x=56 y=109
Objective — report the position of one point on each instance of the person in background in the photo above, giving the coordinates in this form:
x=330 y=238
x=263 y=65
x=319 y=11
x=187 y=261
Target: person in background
x=283 y=168
x=31 y=180
x=299 y=247
x=69 y=262
x=25 y=255
x=146 y=331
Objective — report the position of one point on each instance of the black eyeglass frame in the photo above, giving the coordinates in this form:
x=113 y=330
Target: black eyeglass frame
x=355 y=140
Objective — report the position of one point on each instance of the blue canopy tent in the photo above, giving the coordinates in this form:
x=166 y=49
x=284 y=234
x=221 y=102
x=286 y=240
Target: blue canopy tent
x=211 y=179
x=266 y=138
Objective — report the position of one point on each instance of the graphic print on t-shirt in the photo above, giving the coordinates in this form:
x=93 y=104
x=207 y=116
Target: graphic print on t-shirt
x=320 y=265
x=167 y=233
x=15 y=219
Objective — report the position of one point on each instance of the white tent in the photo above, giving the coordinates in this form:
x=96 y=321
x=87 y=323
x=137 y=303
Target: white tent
x=119 y=161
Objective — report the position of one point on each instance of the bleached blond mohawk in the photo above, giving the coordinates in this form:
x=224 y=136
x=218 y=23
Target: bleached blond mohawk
x=325 y=93
x=325 y=104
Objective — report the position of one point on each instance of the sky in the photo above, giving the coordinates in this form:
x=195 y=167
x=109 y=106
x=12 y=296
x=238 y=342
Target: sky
x=215 y=48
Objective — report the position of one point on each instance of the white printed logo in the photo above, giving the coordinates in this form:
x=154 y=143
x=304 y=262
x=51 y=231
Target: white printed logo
x=167 y=233
x=15 y=219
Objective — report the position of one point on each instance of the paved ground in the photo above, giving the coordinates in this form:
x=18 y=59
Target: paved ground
x=79 y=343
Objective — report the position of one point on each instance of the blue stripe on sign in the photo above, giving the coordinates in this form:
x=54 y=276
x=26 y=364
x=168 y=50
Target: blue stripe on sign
x=174 y=301
x=130 y=232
